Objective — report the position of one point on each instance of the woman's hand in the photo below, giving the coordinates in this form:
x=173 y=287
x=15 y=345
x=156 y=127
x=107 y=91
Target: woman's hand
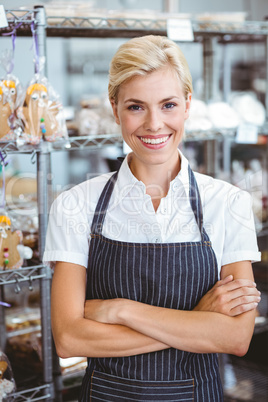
x=230 y=297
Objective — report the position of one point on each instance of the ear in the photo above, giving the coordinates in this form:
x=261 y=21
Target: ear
x=187 y=106
x=115 y=111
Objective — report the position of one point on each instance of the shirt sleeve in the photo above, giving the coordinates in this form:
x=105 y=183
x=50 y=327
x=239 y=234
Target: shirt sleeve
x=67 y=237
x=240 y=242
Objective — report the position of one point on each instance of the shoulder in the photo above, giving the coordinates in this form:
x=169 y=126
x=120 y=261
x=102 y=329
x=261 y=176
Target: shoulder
x=229 y=203
x=83 y=195
x=219 y=190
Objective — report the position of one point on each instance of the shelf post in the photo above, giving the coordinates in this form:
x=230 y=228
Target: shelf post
x=44 y=195
x=210 y=69
x=40 y=26
x=227 y=75
x=3 y=335
x=211 y=154
x=171 y=6
x=266 y=92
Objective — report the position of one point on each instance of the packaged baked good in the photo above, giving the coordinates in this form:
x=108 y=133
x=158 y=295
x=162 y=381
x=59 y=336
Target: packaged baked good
x=7 y=382
x=23 y=320
x=198 y=117
x=10 y=257
x=248 y=107
x=96 y=117
x=25 y=353
x=223 y=116
x=42 y=113
x=10 y=98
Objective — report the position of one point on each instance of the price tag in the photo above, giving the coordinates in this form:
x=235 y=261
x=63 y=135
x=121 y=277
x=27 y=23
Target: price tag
x=180 y=30
x=247 y=134
x=3 y=18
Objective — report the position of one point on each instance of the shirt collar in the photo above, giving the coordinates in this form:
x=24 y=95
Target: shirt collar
x=126 y=181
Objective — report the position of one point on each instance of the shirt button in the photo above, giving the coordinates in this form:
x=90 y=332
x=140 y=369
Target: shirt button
x=164 y=210
x=157 y=240
x=175 y=186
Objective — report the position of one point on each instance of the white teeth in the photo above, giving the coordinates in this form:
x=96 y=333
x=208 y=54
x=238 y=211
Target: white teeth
x=154 y=141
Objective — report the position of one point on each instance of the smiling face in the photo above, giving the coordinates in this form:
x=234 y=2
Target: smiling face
x=151 y=111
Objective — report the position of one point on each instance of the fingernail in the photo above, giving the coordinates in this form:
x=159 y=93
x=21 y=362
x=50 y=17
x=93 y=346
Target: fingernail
x=254 y=284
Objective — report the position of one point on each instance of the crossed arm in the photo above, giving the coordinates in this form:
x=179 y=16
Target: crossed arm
x=222 y=322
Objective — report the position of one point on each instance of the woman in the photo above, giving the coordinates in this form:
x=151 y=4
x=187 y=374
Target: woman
x=156 y=313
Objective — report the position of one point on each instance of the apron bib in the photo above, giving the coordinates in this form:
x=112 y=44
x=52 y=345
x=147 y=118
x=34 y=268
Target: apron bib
x=171 y=275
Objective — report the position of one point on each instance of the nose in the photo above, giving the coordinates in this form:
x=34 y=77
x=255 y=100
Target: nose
x=153 y=121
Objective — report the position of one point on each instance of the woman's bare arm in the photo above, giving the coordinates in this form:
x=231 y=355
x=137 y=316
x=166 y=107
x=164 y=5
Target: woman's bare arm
x=193 y=331
x=74 y=335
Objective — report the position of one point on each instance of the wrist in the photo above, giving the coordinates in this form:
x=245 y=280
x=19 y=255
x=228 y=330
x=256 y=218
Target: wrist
x=122 y=311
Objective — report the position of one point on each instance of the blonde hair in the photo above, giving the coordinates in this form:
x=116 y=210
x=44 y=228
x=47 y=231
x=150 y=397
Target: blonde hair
x=142 y=56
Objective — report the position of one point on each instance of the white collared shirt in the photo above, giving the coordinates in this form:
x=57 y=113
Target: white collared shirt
x=227 y=214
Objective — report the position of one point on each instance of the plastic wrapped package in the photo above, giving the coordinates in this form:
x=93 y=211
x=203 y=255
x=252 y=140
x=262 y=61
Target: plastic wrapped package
x=42 y=113
x=96 y=117
x=25 y=352
x=223 y=116
x=73 y=365
x=65 y=9
x=26 y=221
x=20 y=320
x=198 y=117
x=10 y=97
x=10 y=257
x=88 y=120
x=248 y=107
x=7 y=382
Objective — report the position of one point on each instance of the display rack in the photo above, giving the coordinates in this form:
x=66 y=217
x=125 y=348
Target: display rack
x=210 y=34
x=112 y=26
x=45 y=391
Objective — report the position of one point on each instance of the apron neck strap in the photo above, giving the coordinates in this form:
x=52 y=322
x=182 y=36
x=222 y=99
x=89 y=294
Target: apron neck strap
x=102 y=205
x=195 y=201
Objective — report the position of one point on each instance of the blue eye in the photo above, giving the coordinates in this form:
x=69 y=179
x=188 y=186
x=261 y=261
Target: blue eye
x=169 y=105
x=134 y=107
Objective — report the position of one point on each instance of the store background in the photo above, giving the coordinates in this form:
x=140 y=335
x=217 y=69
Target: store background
x=77 y=69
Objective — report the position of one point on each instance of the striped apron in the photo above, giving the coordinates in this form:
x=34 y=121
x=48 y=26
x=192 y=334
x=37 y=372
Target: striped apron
x=171 y=275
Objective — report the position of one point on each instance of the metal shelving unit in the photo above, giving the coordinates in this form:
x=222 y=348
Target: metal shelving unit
x=112 y=26
x=45 y=391
x=208 y=33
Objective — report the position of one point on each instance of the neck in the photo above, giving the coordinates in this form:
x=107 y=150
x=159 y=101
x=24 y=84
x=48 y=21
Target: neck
x=157 y=177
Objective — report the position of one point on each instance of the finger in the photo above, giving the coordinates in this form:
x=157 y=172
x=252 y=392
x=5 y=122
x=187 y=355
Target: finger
x=243 y=308
x=239 y=283
x=244 y=300
x=224 y=281
x=243 y=292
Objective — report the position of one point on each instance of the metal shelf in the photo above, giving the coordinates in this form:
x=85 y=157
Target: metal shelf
x=33 y=394
x=72 y=143
x=130 y=27
x=100 y=141
x=109 y=26
x=20 y=20
x=16 y=276
x=91 y=141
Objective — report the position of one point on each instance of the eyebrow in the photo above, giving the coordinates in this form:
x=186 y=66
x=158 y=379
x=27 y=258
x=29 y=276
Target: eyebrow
x=132 y=100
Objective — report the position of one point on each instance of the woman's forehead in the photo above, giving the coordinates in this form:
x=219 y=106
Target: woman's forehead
x=160 y=81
